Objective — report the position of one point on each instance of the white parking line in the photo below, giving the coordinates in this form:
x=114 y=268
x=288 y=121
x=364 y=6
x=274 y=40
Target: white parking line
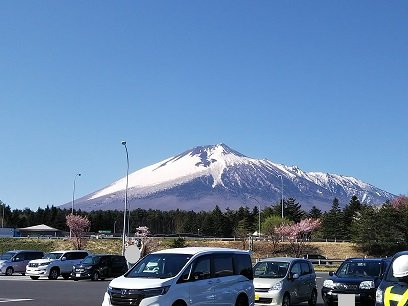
x=5 y=300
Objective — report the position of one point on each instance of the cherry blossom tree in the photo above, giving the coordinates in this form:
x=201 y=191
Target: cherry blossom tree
x=400 y=202
x=78 y=226
x=297 y=234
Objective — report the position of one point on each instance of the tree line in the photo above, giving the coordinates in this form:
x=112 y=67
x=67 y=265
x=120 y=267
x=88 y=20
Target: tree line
x=378 y=230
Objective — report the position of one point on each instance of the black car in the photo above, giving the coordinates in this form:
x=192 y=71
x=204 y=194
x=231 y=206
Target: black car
x=388 y=280
x=358 y=276
x=100 y=267
x=317 y=259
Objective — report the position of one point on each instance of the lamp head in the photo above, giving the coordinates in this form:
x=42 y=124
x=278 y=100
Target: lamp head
x=79 y=174
x=124 y=143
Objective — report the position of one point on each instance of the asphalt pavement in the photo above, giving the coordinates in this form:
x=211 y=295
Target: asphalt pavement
x=21 y=290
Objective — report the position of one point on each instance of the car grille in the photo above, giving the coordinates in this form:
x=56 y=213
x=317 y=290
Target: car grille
x=264 y=300
x=125 y=296
x=33 y=265
x=346 y=287
x=79 y=270
x=261 y=289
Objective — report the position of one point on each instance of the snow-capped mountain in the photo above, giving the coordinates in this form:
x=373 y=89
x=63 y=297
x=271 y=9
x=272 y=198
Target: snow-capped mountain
x=206 y=176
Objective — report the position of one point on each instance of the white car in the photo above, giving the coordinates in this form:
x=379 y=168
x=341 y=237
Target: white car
x=54 y=264
x=186 y=276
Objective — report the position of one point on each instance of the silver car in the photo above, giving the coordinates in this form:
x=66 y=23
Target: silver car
x=284 y=281
x=16 y=261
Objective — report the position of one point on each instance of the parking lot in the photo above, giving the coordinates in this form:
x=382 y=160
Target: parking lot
x=21 y=290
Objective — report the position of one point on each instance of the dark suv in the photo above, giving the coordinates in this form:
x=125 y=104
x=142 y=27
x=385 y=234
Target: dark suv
x=388 y=280
x=100 y=267
x=358 y=276
x=317 y=259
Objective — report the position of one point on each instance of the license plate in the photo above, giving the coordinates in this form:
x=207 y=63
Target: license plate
x=78 y=275
x=256 y=297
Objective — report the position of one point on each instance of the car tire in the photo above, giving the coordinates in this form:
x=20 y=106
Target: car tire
x=34 y=277
x=65 y=276
x=328 y=303
x=95 y=276
x=313 y=298
x=54 y=273
x=179 y=303
x=9 y=271
x=286 y=300
x=242 y=300
x=23 y=274
x=75 y=279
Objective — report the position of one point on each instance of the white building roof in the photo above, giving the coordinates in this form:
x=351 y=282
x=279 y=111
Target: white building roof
x=40 y=228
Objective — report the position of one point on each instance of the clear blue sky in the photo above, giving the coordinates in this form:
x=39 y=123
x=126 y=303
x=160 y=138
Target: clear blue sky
x=318 y=84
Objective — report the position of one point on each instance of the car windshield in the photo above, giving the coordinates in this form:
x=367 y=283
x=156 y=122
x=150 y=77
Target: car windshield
x=7 y=256
x=359 y=269
x=271 y=269
x=159 y=266
x=89 y=260
x=52 y=255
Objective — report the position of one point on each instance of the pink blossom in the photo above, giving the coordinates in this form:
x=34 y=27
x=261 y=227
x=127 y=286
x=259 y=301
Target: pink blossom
x=78 y=226
x=400 y=202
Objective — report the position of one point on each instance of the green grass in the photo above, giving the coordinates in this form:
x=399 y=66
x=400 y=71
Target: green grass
x=49 y=245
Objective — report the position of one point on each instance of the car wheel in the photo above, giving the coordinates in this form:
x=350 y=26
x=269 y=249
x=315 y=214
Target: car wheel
x=9 y=271
x=286 y=300
x=34 y=277
x=65 y=276
x=54 y=273
x=179 y=303
x=95 y=276
x=241 y=301
x=313 y=298
x=23 y=274
x=75 y=279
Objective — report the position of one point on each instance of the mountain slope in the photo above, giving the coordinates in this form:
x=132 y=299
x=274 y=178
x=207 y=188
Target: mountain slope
x=206 y=176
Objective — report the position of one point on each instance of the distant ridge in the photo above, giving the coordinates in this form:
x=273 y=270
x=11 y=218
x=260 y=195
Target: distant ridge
x=205 y=176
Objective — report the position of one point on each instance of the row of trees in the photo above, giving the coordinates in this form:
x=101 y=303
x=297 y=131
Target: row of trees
x=378 y=230
x=228 y=223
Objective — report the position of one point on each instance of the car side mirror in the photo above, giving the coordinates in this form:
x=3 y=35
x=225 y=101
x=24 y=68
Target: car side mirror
x=331 y=273
x=295 y=276
x=63 y=258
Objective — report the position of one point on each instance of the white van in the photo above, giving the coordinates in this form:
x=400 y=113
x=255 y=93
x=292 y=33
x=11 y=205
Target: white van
x=186 y=276
x=54 y=264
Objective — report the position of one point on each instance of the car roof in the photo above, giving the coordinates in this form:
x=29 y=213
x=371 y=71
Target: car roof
x=18 y=251
x=74 y=251
x=283 y=259
x=200 y=250
x=367 y=259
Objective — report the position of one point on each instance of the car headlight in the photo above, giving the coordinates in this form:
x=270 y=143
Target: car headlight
x=328 y=283
x=44 y=264
x=367 y=285
x=379 y=296
x=155 y=291
x=88 y=267
x=276 y=287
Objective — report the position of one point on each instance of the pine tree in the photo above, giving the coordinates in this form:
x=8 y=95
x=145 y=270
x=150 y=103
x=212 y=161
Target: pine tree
x=315 y=213
x=332 y=225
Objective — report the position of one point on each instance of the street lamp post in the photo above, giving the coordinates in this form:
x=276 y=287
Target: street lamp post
x=73 y=199
x=259 y=217
x=73 y=192
x=126 y=200
x=2 y=219
x=282 y=192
